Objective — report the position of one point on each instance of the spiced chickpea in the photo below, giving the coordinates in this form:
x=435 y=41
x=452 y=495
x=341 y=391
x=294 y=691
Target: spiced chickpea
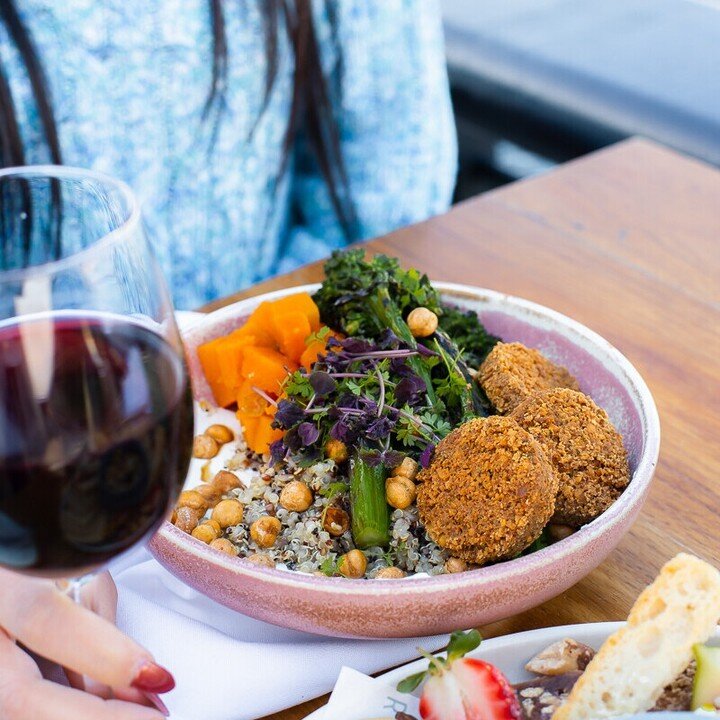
x=193 y=499
x=210 y=493
x=221 y=434
x=205 y=533
x=214 y=524
x=390 y=573
x=225 y=481
x=205 y=447
x=224 y=545
x=400 y=492
x=186 y=519
x=455 y=565
x=228 y=513
x=353 y=564
x=336 y=521
x=422 y=322
x=407 y=468
x=296 y=496
x=264 y=531
x=261 y=559
x=336 y=450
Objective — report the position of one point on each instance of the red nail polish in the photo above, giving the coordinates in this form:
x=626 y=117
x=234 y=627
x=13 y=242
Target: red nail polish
x=153 y=678
x=158 y=703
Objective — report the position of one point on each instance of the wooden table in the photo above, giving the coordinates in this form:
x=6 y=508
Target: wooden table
x=627 y=241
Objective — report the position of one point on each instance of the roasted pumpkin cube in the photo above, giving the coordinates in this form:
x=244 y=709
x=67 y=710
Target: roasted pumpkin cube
x=266 y=368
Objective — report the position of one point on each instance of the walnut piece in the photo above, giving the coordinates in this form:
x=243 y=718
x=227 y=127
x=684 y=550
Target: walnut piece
x=561 y=657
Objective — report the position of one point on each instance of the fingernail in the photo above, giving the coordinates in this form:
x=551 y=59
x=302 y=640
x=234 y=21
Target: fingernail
x=158 y=703
x=153 y=679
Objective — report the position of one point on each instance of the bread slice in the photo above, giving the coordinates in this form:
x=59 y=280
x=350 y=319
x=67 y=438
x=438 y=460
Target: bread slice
x=628 y=674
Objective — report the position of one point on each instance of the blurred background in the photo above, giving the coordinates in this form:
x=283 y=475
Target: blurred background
x=539 y=82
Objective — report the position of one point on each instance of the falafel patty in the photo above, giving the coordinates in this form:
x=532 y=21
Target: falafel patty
x=512 y=373
x=488 y=491
x=585 y=449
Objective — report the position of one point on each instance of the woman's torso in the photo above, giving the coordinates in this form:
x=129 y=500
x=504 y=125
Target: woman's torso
x=129 y=81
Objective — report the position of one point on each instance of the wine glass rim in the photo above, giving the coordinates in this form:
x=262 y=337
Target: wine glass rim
x=61 y=172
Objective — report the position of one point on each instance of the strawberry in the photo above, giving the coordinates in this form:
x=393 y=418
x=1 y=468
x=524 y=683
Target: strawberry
x=460 y=688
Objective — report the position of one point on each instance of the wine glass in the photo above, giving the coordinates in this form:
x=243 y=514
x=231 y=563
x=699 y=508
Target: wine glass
x=95 y=406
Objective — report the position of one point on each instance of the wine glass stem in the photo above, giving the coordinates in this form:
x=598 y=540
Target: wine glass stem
x=73 y=587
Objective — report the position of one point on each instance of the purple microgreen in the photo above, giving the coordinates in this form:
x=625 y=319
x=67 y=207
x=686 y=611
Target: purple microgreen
x=389 y=340
x=356 y=346
x=288 y=414
x=368 y=405
x=426 y=351
x=385 y=354
x=379 y=429
x=426 y=455
x=337 y=409
x=278 y=451
x=308 y=433
x=400 y=367
x=292 y=440
x=410 y=390
x=347 y=400
x=322 y=383
x=388 y=458
x=344 y=430
x=264 y=395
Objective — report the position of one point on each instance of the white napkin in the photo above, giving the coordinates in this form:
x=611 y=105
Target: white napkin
x=228 y=666
x=358 y=697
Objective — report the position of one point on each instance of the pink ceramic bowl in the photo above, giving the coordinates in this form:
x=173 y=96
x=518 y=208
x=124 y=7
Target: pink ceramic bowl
x=425 y=606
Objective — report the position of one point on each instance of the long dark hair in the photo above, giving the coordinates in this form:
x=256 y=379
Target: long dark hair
x=311 y=107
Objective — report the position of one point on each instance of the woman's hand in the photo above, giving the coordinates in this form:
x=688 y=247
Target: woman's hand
x=111 y=677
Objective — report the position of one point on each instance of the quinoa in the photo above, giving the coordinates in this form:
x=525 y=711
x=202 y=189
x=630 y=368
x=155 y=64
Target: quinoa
x=302 y=544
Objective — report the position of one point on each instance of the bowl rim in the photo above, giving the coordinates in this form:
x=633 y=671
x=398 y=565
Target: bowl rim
x=496 y=574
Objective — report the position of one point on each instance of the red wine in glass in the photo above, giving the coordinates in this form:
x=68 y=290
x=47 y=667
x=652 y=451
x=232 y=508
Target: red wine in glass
x=95 y=408
x=95 y=426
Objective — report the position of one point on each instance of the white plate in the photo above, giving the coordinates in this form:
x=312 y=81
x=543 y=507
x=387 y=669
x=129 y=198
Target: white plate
x=510 y=652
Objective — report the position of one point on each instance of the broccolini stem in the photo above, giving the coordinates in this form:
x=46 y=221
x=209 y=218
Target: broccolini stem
x=368 y=507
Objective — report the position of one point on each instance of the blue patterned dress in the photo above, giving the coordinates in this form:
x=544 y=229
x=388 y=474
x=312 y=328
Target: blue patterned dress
x=129 y=80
